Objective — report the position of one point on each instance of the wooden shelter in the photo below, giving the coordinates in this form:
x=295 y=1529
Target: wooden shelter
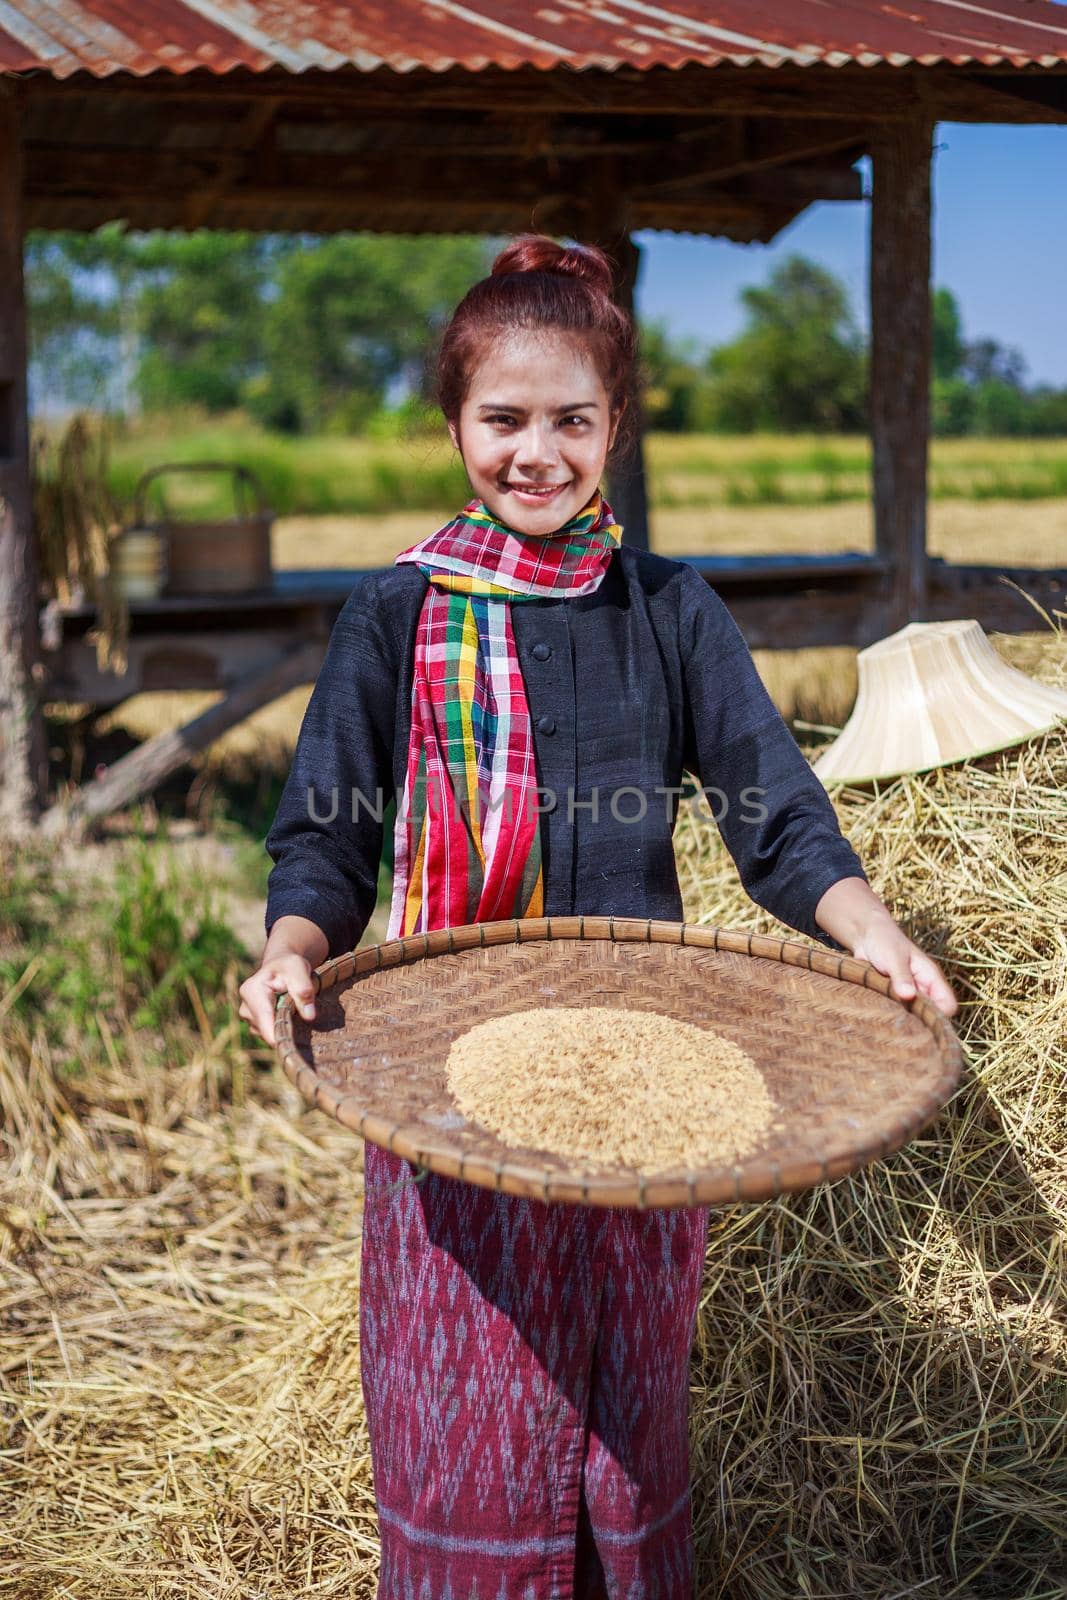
x=571 y=117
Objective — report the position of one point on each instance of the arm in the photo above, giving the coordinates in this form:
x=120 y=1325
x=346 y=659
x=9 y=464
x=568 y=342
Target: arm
x=792 y=859
x=774 y=815
x=326 y=837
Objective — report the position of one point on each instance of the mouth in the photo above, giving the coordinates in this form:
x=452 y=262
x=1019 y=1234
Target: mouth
x=535 y=494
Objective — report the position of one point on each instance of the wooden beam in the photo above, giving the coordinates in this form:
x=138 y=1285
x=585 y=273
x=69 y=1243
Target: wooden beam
x=900 y=361
x=409 y=176
x=145 y=768
x=23 y=752
x=729 y=216
x=250 y=139
x=780 y=156
x=873 y=94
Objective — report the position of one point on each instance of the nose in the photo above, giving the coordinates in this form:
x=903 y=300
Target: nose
x=536 y=446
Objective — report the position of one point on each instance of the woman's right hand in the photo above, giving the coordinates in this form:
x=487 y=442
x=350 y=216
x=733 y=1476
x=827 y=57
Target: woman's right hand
x=286 y=973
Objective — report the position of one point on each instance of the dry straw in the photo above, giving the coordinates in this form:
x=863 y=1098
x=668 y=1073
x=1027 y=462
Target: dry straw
x=880 y=1377
x=75 y=522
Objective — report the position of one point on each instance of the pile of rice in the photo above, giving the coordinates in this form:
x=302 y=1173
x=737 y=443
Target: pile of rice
x=609 y=1086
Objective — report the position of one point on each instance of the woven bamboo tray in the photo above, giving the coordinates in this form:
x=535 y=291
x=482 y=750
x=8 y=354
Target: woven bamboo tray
x=855 y=1072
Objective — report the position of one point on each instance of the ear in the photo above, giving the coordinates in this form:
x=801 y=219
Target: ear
x=616 y=418
x=453 y=434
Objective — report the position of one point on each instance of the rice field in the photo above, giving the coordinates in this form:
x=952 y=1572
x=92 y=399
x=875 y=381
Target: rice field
x=326 y=475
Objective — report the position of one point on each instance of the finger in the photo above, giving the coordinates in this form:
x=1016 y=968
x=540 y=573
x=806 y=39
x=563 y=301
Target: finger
x=300 y=989
x=251 y=1017
x=932 y=983
x=304 y=1001
x=900 y=975
x=302 y=993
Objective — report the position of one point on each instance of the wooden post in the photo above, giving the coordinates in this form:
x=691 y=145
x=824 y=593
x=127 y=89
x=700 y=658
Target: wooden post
x=606 y=226
x=23 y=752
x=900 y=360
x=627 y=483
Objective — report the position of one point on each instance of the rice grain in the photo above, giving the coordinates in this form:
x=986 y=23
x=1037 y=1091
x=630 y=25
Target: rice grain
x=608 y=1086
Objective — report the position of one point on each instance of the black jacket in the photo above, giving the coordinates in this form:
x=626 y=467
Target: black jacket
x=627 y=687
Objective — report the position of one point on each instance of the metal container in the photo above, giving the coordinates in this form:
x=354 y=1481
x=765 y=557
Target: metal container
x=138 y=566
x=228 y=555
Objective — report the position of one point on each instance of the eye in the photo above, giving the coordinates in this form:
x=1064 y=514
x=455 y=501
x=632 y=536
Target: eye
x=500 y=416
x=576 y=418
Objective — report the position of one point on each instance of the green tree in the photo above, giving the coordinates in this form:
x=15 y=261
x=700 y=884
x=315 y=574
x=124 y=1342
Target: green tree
x=799 y=364
x=674 y=383
x=306 y=332
x=351 y=314
x=202 y=316
x=82 y=313
x=951 y=407
x=1000 y=410
x=947 y=335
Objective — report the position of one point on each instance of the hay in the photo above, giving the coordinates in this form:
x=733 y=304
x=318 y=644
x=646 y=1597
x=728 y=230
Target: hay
x=608 y=1086
x=880 y=1376
x=881 y=1366
x=179 y=1362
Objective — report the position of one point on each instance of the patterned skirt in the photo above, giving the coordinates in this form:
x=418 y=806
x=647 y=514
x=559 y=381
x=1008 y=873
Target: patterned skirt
x=525 y=1372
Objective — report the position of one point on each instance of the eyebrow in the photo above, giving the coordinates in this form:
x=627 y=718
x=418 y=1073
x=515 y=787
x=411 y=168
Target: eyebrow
x=503 y=405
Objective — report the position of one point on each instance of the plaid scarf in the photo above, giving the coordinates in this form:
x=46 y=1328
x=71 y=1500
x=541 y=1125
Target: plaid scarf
x=467 y=844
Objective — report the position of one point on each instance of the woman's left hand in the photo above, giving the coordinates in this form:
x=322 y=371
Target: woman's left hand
x=912 y=971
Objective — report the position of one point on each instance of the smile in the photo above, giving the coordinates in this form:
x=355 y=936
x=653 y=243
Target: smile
x=536 y=491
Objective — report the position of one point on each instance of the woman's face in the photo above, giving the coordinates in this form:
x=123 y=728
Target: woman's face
x=535 y=430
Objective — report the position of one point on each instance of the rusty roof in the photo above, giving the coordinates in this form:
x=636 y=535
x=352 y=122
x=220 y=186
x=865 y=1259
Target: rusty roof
x=100 y=37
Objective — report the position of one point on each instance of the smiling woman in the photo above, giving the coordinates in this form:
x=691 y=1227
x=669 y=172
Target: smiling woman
x=534 y=453
x=535 y=378
x=525 y=1365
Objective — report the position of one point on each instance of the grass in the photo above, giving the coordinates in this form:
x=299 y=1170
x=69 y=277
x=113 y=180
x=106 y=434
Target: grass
x=86 y=956
x=756 y=470
x=329 y=475
x=313 y=475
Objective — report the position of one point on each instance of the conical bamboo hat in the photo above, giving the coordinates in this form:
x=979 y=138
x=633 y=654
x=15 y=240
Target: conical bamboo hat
x=932 y=693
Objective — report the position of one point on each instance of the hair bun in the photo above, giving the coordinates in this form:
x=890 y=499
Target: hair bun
x=536 y=252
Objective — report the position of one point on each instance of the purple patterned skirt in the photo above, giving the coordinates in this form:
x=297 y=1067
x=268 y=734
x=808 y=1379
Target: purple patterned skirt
x=525 y=1372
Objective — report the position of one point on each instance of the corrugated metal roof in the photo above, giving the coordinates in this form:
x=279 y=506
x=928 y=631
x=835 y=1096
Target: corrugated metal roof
x=62 y=37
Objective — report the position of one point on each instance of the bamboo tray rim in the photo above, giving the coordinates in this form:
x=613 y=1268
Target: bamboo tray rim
x=703 y=1186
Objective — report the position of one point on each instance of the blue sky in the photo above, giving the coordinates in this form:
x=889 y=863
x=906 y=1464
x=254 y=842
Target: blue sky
x=1000 y=244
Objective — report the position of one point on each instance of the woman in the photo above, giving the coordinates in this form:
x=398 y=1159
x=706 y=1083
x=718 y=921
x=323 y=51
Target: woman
x=532 y=690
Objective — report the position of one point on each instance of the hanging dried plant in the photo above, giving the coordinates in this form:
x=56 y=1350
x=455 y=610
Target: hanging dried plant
x=76 y=518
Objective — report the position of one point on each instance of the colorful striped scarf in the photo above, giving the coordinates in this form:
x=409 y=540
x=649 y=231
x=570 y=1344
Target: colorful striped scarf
x=467 y=842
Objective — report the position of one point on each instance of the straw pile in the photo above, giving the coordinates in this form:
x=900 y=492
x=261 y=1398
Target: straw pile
x=607 y=1086
x=881 y=1366
x=880 y=1377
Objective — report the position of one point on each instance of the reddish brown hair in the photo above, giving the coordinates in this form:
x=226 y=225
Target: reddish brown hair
x=536 y=283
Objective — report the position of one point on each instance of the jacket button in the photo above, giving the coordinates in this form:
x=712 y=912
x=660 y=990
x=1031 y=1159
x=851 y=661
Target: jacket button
x=546 y=724
x=541 y=651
